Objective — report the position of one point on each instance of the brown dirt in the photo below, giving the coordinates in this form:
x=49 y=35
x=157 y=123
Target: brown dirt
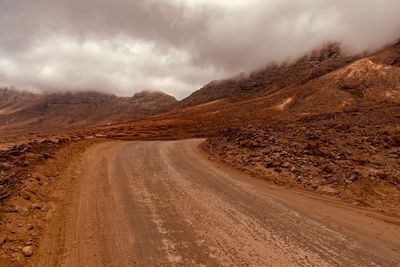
x=163 y=203
x=28 y=201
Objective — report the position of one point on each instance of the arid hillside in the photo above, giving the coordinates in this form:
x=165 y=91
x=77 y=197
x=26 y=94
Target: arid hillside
x=22 y=112
x=323 y=81
x=273 y=77
x=366 y=89
x=11 y=101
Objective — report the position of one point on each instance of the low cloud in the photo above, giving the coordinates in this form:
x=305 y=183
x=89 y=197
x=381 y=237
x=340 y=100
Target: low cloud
x=176 y=46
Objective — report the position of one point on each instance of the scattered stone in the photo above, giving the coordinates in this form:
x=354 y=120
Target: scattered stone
x=285 y=165
x=327 y=169
x=269 y=164
x=27 y=251
x=26 y=196
x=278 y=170
x=382 y=175
x=22 y=210
x=334 y=150
x=36 y=206
x=3 y=238
x=5 y=194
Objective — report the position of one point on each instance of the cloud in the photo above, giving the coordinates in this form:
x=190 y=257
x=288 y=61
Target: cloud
x=118 y=65
x=124 y=46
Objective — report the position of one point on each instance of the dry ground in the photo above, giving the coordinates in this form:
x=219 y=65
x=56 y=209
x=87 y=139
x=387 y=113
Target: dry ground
x=164 y=203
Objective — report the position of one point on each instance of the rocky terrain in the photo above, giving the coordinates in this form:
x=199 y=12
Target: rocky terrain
x=371 y=83
x=29 y=180
x=337 y=134
x=328 y=124
x=353 y=156
x=16 y=162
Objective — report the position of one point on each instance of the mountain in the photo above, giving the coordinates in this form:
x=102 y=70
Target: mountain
x=273 y=77
x=12 y=101
x=322 y=84
x=336 y=134
x=64 y=111
x=363 y=92
x=368 y=81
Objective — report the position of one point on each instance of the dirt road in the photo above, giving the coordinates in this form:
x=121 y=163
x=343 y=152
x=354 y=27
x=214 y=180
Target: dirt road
x=166 y=204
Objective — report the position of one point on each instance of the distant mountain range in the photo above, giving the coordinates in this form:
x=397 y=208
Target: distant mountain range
x=323 y=81
x=59 y=111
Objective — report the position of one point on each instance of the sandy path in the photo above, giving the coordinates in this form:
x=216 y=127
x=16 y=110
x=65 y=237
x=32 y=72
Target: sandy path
x=165 y=204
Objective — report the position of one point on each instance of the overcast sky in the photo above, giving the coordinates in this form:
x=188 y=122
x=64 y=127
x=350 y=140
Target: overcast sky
x=176 y=46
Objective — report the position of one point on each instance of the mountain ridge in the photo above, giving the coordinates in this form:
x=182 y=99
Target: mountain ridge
x=323 y=81
x=272 y=77
x=78 y=109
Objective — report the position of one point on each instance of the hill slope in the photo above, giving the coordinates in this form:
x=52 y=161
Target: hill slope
x=364 y=92
x=324 y=81
x=272 y=78
x=62 y=111
x=12 y=101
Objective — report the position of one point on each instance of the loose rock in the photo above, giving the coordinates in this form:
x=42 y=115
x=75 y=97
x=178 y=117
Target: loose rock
x=27 y=251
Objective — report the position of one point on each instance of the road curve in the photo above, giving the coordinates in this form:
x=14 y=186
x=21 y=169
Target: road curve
x=165 y=204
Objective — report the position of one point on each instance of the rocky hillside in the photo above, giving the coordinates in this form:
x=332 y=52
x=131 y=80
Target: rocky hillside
x=369 y=84
x=320 y=84
x=62 y=111
x=12 y=101
x=272 y=78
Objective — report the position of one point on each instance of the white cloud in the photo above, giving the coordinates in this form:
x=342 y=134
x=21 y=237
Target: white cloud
x=121 y=65
x=124 y=46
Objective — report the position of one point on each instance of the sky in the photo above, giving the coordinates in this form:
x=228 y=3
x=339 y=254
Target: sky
x=175 y=46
